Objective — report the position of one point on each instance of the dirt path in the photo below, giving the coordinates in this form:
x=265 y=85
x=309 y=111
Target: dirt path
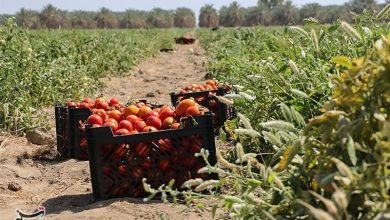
x=64 y=187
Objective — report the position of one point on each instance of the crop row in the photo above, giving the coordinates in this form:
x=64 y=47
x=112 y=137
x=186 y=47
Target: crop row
x=41 y=67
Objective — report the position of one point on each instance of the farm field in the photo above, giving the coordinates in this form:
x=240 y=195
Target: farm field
x=311 y=137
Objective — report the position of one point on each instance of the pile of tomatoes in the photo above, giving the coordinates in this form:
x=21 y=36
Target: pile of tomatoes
x=137 y=117
x=209 y=85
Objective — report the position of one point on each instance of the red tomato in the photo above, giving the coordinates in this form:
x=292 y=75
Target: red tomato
x=111 y=120
x=95 y=119
x=71 y=104
x=122 y=169
x=88 y=100
x=175 y=125
x=154 y=121
x=132 y=118
x=113 y=126
x=134 y=132
x=131 y=110
x=142 y=149
x=165 y=145
x=119 y=152
x=164 y=164
x=126 y=125
x=153 y=113
x=166 y=112
x=136 y=172
x=143 y=111
x=122 y=131
x=113 y=101
x=102 y=105
x=84 y=105
x=168 y=122
x=183 y=106
x=115 y=114
x=116 y=107
x=193 y=110
x=102 y=113
x=139 y=125
x=149 y=129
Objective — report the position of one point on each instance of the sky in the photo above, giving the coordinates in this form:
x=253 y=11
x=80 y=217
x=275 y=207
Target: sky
x=12 y=6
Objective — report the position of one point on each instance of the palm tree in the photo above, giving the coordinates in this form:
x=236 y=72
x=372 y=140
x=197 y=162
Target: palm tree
x=208 y=16
x=83 y=19
x=51 y=17
x=235 y=15
x=134 y=19
x=27 y=18
x=106 y=19
x=160 y=18
x=184 y=18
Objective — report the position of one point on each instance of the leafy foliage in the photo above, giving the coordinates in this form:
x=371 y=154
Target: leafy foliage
x=40 y=68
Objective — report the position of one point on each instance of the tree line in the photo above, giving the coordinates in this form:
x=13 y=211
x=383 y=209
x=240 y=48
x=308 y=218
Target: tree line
x=266 y=12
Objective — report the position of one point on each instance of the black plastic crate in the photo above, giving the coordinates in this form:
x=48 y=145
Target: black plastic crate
x=221 y=112
x=71 y=140
x=119 y=163
x=61 y=117
x=71 y=137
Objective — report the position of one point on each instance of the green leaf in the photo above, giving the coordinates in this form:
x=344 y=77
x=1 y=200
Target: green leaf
x=343 y=61
x=351 y=150
x=222 y=134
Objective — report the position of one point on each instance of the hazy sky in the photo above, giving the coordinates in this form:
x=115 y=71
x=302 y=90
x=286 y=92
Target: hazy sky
x=12 y=6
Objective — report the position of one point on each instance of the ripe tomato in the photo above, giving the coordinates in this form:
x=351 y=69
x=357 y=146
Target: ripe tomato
x=193 y=110
x=94 y=119
x=140 y=104
x=102 y=113
x=154 y=122
x=88 y=100
x=165 y=145
x=134 y=132
x=136 y=172
x=142 y=149
x=167 y=123
x=83 y=143
x=143 y=111
x=131 y=110
x=112 y=121
x=100 y=99
x=113 y=126
x=139 y=125
x=71 y=104
x=115 y=114
x=166 y=112
x=126 y=125
x=122 y=169
x=153 y=113
x=120 y=152
x=149 y=129
x=175 y=125
x=211 y=82
x=183 y=106
x=189 y=161
x=116 y=107
x=84 y=105
x=113 y=101
x=164 y=164
x=122 y=131
x=102 y=105
x=132 y=118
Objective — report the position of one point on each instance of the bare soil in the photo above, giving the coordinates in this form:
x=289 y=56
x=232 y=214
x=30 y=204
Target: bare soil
x=63 y=187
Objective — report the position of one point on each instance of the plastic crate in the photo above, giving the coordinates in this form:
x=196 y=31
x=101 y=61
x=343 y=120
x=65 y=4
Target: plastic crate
x=71 y=137
x=221 y=112
x=71 y=140
x=119 y=163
